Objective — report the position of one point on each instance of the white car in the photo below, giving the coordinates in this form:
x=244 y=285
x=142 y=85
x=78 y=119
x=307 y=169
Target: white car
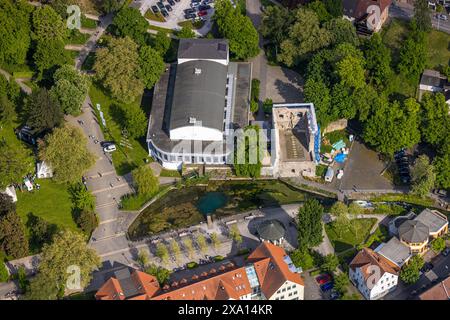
x=110 y=148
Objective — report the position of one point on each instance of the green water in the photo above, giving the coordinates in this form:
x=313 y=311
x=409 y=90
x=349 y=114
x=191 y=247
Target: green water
x=211 y=201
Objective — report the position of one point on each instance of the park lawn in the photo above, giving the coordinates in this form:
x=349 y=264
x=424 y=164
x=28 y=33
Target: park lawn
x=438 y=49
x=348 y=239
x=76 y=37
x=408 y=198
x=130 y=154
x=88 y=23
x=157 y=28
x=51 y=203
x=155 y=17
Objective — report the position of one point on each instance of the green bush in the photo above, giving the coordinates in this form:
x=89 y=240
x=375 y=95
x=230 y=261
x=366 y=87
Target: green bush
x=243 y=252
x=192 y=265
x=255 y=90
x=218 y=258
x=268 y=105
x=4 y=275
x=87 y=221
x=254 y=106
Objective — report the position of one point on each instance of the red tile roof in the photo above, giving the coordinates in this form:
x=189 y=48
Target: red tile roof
x=367 y=257
x=230 y=282
x=441 y=291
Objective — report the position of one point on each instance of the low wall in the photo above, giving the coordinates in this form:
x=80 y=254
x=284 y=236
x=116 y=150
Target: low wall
x=336 y=126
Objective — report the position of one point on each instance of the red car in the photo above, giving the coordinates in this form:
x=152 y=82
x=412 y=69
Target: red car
x=323 y=278
x=202 y=13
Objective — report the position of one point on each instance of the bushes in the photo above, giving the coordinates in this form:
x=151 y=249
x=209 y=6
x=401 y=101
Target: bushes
x=192 y=265
x=267 y=106
x=4 y=274
x=83 y=208
x=254 y=95
x=87 y=220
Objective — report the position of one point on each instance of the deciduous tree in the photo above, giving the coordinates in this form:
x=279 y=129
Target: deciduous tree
x=65 y=150
x=309 y=224
x=16 y=161
x=146 y=183
x=43 y=111
x=129 y=22
x=151 y=64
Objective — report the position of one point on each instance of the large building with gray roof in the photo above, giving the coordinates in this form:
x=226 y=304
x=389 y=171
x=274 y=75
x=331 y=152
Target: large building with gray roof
x=196 y=104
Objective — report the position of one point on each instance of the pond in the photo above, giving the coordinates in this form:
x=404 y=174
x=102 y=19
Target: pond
x=188 y=206
x=211 y=201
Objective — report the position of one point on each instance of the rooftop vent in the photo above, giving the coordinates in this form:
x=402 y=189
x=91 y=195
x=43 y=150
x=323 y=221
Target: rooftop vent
x=197 y=71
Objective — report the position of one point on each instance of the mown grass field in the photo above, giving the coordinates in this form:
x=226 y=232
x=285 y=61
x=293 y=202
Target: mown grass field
x=349 y=239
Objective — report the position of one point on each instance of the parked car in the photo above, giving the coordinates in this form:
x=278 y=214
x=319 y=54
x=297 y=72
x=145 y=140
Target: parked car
x=195 y=5
x=160 y=5
x=110 y=148
x=189 y=16
x=327 y=286
x=155 y=9
x=446 y=252
x=442 y=17
x=189 y=11
x=427 y=267
x=171 y=2
x=164 y=13
x=168 y=7
x=334 y=295
x=202 y=13
x=323 y=278
x=177 y=0
x=204 y=7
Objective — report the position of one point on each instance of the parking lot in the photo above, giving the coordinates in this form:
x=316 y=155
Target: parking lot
x=176 y=11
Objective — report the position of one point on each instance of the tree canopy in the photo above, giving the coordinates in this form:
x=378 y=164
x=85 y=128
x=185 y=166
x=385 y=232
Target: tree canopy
x=117 y=66
x=129 y=22
x=237 y=28
x=43 y=111
x=151 y=64
x=422 y=15
x=145 y=181
x=65 y=150
x=16 y=161
x=309 y=224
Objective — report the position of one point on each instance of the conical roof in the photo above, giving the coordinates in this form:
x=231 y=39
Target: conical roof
x=271 y=230
x=413 y=231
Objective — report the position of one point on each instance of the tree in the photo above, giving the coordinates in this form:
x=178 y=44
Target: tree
x=235 y=234
x=351 y=71
x=142 y=258
x=161 y=42
x=41 y=287
x=309 y=224
x=366 y=101
x=14 y=32
x=134 y=120
x=152 y=66
x=410 y=272
x=144 y=180
x=442 y=168
x=201 y=241
x=161 y=274
x=68 y=249
x=43 y=112
x=303 y=259
x=186 y=32
x=41 y=231
x=438 y=245
x=342 y=101
x=334 y=7
x=87 y=221
x=342 y=31
x=81 y=198
x=13 y=240
x=237 y=28
x=413 y=56
x=215 y=240
x=274 y=23
x=435 y=124
x=378 y=60
x=423 y=176
x=330 y=263
x=15 y=162
x=109 y=6
x=321 y=11
x=162 y=252
x=117 y=66
x=341 y=224
x=393 y=126
x=355 y=210
x=341 y=281
x=4 y=274
x=50 y=34
x=129 y=22
x=317 y=92
x=305 y=37
x=338 y=209
x=187 y=243
x=70 y=89
x=422 y=15
x=65 y=150
x=7 y=111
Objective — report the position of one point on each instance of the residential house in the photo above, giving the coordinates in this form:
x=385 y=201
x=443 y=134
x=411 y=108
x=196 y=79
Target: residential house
x=267 y=274
x=395 y=251
x=373 y=274
x=432 y=81
x=367 y=15
x=441 y=291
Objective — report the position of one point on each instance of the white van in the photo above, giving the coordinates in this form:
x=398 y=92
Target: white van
x=110 y=148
